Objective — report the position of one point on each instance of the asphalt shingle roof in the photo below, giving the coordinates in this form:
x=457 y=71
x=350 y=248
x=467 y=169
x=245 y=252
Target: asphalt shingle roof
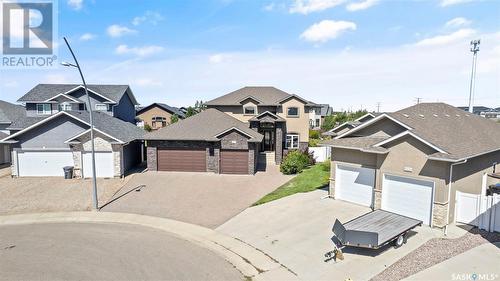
x=11 y=112
x=171 y=109
x=361 y=143
x=203 y=126
x=263 y=94
x=3 y=135
x=43 y=92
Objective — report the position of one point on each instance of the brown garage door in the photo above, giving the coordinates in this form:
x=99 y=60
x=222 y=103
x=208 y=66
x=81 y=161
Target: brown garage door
x=234 y=161
x=182 y=160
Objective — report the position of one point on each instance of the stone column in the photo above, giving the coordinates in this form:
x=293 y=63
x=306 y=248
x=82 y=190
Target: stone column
x=152 y=158
x=439 y=214
x=279 y=143
x=251 y=158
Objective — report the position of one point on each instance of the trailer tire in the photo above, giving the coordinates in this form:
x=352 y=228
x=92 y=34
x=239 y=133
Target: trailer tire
x=399 y=241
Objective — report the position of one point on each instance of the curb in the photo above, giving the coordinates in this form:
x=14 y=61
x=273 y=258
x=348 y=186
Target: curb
x=251 y=262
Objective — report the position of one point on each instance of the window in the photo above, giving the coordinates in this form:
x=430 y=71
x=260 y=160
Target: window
x=43 y=108
x=292 y=141
x=317 y=122
x=64 y=106
x=158 y=122
x=101 y=107
x=249 y=110
x=292 y=112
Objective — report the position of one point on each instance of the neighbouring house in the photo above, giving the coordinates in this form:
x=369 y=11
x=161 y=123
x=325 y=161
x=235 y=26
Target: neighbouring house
x=210 y=141
x=483 y=111
x=55 y=131
x=317 y=115
x=282 y=118
x=414 y=161
x=8 y=113
x=346 y=126
x=158 y=115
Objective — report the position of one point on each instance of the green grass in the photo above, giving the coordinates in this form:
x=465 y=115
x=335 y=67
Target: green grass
x=310 y=179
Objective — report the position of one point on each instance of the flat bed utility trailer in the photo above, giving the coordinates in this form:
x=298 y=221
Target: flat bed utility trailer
x=373 y=230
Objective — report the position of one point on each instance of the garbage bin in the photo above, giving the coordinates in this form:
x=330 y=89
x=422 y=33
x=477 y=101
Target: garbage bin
x=68 y=172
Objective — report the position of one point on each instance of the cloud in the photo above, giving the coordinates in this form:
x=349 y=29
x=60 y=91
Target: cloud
x=361 y=5
x=326 y=30
x=87 y=37
x=75 y=4
x=439 y=40
x=446 y=3
x=309 y=6
x=149 y=17
x=138 y=51
x=218 y=58
x=457 y=22
x=269 y=7
x=116 y=30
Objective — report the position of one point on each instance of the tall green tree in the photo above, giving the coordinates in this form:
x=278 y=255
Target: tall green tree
x=332 y=121
x=174 y=119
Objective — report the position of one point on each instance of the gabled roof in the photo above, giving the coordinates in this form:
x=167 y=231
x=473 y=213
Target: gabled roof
x=267 y=116
x=264 y=95
x=44 y=92
x=454 y=134
x=10 y=112
x=204 y=126
x=114 y=127
x=168 y=108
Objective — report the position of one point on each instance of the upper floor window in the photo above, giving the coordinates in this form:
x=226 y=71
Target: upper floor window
x=44 y=108
x=101 y=107
x=249 y=110
x=65 y=106
x=292 y=141
x=158 y=122
x=292 y=112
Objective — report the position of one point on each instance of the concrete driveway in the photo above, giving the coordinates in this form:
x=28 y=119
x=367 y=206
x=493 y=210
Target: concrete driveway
x=100 y=251
x=205 y=199
x=296 y=231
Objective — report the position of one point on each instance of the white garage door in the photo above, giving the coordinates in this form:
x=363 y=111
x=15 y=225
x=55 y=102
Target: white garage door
x=43 y=163
x=104 y=164
x=408 y=197
x=354 y=184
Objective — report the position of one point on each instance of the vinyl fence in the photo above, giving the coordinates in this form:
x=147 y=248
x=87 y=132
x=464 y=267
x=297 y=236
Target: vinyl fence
x=481 y=211
x=321 y=153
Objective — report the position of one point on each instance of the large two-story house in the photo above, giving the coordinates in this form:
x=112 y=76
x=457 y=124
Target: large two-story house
x=55 y=131
x=229 y=136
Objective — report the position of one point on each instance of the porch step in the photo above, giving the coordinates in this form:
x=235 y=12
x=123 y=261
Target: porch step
x=268 y=158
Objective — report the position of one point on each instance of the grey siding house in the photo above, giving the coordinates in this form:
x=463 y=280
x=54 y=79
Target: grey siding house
x=55 y=132
x=9 y=113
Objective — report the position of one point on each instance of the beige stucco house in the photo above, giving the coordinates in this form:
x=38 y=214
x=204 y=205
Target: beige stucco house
x=158 y=115
x=414 y=161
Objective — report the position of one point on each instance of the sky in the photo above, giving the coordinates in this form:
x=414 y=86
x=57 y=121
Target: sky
x=351 y=54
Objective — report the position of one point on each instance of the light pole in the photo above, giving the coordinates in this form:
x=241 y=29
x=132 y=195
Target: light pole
x=94 y=180
x=474 y=49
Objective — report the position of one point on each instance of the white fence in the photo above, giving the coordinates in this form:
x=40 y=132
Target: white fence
x=321 y=153
x=481 y=211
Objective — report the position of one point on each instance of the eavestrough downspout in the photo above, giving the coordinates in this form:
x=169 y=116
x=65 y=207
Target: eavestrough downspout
x=449 y=195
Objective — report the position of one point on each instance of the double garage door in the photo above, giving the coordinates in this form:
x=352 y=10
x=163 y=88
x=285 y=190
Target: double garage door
x=402 y=195
x=194 y=160
x=51 y=163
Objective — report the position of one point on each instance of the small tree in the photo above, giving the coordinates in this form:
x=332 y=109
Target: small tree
x=174 y=118
x=148 y=128
x=190 y=111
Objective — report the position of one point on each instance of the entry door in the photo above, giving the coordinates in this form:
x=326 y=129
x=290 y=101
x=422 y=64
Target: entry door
x=354 y=184
x=268 y=142
x=408 y=197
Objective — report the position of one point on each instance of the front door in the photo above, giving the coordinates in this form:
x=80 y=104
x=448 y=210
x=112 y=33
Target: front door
x=268 y=141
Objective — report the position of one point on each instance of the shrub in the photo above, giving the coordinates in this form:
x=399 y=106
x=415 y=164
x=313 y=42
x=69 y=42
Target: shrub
x=326 y=165
x=314 y=142
x=294 y=162
x=314 y=134
x=148 y=128
x=174 y=119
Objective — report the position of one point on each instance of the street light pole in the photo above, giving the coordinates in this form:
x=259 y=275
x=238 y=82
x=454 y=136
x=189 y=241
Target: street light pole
x=94 y=180
x=474 y=49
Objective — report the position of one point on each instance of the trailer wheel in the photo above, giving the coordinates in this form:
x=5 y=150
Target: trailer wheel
x=399 y=242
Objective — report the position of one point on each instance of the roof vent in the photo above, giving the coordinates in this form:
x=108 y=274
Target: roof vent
x=458 y=115
x=421 y=115
x=447 y=115
x=406 y=115
x=435 y=115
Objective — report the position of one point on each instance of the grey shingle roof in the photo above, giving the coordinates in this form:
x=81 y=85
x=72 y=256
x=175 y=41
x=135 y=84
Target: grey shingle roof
x=11 y=112
x=171 y=109
x=361 y=143
x=115 y=127
x=3 y=135
x=42 y=92
x=203 y=126
x=460 y=134
x=326 y=110
x=263 y=94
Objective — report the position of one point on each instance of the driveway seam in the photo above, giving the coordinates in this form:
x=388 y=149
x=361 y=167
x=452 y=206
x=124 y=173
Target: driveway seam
x=250 y=261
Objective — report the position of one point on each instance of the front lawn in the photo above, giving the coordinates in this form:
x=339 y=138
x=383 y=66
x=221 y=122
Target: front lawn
x=310 y=179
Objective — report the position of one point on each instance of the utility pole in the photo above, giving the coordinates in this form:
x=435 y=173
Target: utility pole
x=474 y=49
x=418 y=100
x=378 y=107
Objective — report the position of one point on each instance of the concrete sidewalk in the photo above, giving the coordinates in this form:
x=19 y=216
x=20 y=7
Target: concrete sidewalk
x=251 y=262
x=484 y=261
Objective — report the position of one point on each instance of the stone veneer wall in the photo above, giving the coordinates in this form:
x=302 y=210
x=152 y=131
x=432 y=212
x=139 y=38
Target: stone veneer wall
x=279 y=139
x=101 y=143
x=439 y=214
